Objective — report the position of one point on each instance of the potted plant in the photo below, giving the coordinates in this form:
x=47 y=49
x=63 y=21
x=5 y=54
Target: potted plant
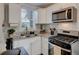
x=10 y=32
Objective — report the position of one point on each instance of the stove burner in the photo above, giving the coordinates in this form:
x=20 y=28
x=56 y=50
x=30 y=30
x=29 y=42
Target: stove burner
x=66 y=39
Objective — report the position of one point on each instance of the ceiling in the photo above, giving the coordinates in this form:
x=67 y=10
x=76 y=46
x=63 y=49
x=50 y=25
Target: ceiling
x=36 y=5
x=33 y=6
x=41 y=5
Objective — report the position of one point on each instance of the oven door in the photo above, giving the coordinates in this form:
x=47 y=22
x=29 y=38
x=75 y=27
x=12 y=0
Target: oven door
x=65 y=51
x=61 y=48
x=61 y=51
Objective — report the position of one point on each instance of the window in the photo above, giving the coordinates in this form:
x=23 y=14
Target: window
x=28 y=19
x=25 y=22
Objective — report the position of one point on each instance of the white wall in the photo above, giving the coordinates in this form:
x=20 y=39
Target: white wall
x=2 y=40
x=66 y=26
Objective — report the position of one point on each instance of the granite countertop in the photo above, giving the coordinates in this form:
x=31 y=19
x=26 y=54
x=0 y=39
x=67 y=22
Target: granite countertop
x=24 y=38
x=39 y=35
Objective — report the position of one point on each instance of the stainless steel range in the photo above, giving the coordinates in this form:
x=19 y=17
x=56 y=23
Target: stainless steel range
x=66 y=40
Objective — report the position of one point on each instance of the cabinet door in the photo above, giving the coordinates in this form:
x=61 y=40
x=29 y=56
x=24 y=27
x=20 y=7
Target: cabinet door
x=36 y=47
x=14 y=13
x=42 y=18
x=57 y=50
x=25 y=43
x=45 y=45
x=32 y=45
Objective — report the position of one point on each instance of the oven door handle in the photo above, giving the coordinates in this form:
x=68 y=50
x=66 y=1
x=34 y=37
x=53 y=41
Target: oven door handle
x=66 y=50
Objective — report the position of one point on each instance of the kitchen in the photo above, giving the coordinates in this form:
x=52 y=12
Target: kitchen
x=39 y=27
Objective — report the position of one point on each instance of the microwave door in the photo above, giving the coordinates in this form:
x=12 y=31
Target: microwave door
x=61 y=16
x=54 y=17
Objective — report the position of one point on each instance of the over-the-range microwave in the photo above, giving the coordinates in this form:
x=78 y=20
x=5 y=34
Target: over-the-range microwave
x=65 y=15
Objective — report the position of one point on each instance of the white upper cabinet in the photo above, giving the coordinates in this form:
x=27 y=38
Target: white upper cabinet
x=14 y=13
x=42 y=16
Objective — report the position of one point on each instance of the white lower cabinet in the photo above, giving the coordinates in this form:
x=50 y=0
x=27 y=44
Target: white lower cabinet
x=36 y=47
x=45 y=45
x=32 y=45
x=22 y=43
